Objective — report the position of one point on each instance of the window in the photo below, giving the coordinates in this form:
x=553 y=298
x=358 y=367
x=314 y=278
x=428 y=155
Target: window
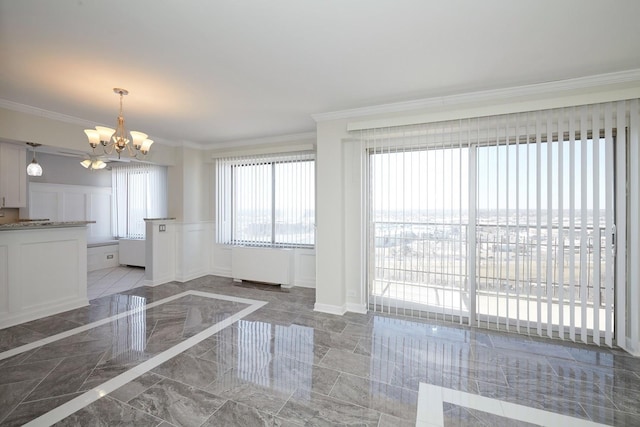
x=266 y=200
x=139 y=191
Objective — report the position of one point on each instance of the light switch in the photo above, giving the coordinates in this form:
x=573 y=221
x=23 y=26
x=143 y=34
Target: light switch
x=162 y=227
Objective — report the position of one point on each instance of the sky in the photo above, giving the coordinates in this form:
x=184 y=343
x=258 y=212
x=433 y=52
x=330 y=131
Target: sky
x=507 y=177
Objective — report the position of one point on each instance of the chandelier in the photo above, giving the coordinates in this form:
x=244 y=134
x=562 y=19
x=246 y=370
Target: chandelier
x=93 y=164
x=118 y=139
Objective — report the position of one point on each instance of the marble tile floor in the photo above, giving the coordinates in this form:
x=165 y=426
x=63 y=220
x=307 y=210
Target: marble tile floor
x=286 y=365
x=109 y=281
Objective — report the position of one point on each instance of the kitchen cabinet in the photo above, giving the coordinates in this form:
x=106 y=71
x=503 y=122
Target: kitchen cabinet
x=13 y=176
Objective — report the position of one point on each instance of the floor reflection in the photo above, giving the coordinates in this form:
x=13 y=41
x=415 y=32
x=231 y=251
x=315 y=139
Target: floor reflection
x=285 y=364
x=86 y=358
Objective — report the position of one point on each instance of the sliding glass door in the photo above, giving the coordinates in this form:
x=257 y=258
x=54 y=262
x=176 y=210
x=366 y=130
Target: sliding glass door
x=419 y=205
x=544 y=236
x=506 y=222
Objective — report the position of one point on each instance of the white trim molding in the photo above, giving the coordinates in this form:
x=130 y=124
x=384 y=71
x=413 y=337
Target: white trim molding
x=270 y=140
x=357 y=308
x=629 y=77
x=27 y=109
x=330 y=309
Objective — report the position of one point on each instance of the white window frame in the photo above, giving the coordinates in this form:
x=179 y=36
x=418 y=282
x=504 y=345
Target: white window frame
x=227 y=222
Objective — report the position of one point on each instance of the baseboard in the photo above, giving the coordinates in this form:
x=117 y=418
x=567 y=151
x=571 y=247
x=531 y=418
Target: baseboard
x=158 y=281
x=222 y=272
x=50 y=310
x=356 y=308
x=331 y=309
x=311 y=284
x=185 y=278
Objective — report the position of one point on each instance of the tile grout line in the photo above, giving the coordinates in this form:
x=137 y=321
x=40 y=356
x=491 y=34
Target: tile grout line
x=335 y=382
x=59 y=413
x=30 y=346
x=32 y=389
x=162 y=377
x=276 y=413
x=137 y=409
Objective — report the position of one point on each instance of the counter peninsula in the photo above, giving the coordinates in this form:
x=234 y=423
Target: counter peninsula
x=43 y=269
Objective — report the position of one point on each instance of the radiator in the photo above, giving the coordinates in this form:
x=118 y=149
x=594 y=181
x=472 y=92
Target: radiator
x=132 y=252
x=267 y=265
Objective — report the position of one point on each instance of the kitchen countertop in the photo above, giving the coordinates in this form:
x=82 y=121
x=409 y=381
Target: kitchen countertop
x=31 y=225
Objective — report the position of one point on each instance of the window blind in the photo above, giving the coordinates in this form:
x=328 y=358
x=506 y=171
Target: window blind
x=266 y=200
x=139 y=192
x=509 y=222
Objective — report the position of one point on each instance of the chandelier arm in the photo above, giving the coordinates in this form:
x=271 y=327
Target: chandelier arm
x=131 y=151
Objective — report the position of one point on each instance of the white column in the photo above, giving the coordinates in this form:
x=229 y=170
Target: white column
x=330 y=224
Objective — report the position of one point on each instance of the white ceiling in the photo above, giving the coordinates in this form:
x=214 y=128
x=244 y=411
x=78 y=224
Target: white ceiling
x=206 y=72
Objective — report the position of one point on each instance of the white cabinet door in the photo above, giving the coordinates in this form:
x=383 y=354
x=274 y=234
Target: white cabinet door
x=13 y=176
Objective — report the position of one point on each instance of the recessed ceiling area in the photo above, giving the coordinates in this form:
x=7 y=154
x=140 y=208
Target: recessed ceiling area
x=207 y=72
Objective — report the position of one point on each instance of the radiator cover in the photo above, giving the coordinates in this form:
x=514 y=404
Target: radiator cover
x=268 y=265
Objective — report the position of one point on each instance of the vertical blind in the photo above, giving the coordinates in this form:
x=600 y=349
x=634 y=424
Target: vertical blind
x=508 y=222
x=266 y=200
x=139 y=191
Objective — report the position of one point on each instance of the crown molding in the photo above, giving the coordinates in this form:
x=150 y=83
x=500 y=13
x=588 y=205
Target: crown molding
x=294 y=137
x=22 y=108
x=621 y=77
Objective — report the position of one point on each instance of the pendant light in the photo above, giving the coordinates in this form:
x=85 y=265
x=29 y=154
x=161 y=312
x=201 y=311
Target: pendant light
x=34 y=168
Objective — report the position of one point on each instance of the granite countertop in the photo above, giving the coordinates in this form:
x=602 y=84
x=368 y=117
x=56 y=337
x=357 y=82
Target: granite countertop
x=31 y=225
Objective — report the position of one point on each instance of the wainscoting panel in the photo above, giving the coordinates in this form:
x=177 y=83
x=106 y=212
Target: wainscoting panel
x=305 y=268
x=221 y=260
x=60 y=202
x=193 y=248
